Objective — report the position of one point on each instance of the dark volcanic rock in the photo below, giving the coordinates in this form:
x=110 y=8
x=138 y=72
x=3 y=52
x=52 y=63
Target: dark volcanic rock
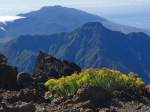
x=3 y=60
x=8 y=74
x=147 y=90
x=28 y=95
x=49 y=67
x=94 y=99
x=24 y=80
x=95 y=94
x=24 y=100
x=19 y=107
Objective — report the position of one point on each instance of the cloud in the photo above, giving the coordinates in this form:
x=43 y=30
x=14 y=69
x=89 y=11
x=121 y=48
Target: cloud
x=5 y=8
x=9 y=18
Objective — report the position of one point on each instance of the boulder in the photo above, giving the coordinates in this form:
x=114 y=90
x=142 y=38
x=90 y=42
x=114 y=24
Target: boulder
x=24 y=80
x=96 y=95
x=48 y=66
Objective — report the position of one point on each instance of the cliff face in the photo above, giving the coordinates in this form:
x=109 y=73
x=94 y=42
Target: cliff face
x=49 y=67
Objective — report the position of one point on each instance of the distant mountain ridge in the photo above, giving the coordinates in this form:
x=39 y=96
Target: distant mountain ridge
x=56 y=19
x=91 y=45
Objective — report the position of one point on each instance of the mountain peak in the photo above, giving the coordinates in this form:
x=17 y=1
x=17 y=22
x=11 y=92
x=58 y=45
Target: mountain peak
x=55 y=6
x=93 y=24
x=55 y=19
x=52 y=7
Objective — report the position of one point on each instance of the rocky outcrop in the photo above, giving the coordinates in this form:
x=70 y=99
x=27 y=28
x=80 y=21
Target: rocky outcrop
x=46 y=67
x=11 y=79
x=8 y=74
x=49 y=67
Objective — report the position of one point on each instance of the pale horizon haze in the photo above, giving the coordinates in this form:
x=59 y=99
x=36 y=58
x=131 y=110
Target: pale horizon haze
x=127 y=12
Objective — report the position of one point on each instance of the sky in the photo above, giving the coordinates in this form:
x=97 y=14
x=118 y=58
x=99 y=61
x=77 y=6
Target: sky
x=129 y=12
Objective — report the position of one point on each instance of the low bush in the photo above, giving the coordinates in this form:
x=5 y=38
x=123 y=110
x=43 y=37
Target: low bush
x=108 y=79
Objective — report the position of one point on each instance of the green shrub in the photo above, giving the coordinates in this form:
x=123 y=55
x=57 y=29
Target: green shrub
x=108 y=79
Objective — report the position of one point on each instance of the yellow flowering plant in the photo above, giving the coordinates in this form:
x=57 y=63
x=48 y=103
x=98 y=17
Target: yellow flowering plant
x=108 y=79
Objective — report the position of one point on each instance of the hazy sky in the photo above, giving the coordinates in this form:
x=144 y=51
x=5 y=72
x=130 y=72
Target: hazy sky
x=11 y=7
x=116 y=10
